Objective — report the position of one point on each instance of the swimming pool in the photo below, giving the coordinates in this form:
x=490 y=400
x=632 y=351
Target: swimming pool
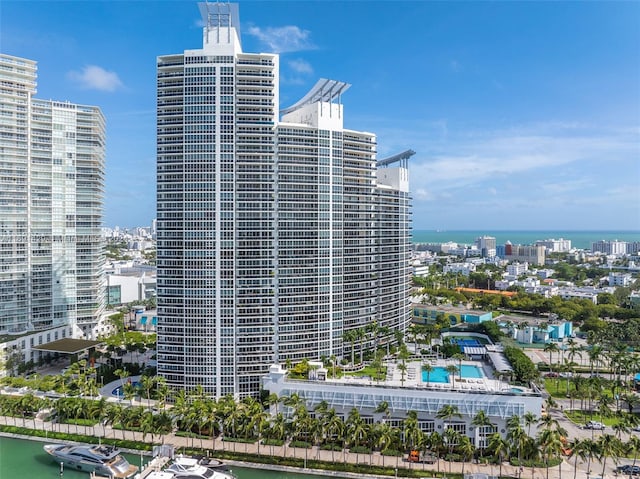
x=440 y=374
x=118 y=392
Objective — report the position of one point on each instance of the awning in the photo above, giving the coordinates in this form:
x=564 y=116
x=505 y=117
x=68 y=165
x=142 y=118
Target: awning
x=68 y=346
x=500 y=362
x=143 y=320
x=474 y=351
x=154 y=321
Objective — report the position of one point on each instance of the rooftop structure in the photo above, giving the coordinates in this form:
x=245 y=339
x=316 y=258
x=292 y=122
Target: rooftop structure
x=474 y=388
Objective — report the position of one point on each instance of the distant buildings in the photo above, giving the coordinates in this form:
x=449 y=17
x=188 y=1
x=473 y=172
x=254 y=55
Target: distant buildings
x=524 y=253
x=275 y=236
x=486 y=245
x=52 y=166
x=555 y=245
x=613 y=247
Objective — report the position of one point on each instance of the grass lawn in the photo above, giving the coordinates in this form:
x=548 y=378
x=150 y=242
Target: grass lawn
x=582 y=417
x=371 y=372
x=557 y=387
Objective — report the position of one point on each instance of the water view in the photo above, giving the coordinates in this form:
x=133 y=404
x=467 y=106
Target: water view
x=25 y=458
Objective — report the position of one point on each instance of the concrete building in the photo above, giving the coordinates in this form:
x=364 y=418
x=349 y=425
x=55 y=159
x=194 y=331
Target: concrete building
x=522 y=253
x=477 y=389
x=275 y=236
x=423 y=314
x=516 y=269
x=463 y=268
x=555 y=245
x=52 y=164
x=620 y=279
x=486 y=245
x=614 y=247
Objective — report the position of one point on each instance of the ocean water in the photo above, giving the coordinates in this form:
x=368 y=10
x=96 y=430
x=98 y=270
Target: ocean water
x=579 y=239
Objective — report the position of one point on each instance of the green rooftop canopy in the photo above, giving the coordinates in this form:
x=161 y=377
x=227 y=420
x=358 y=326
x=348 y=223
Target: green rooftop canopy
x=68 y=346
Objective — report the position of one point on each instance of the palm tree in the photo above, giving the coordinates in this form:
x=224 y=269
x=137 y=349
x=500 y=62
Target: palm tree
x=427 y=368
x=610 y=446
x=451 y=369
x=481 y=420
x=633 y=447
x=517 y=438
x=580 y=450
x=349 y=336
x=499 y=447
x=387 y=436
x=466 y=451
x=402 y=367
x=452 y=438
x=529 y=420
x=412 y=431
x=551 y=348
x=550 y=445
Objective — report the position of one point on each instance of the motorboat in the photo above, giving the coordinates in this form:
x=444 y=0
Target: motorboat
x=185 y=467
x=208 y=462
x=101 y=459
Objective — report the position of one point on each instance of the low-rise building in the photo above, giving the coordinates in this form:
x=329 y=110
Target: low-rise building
x=424 y=314
x=474 y=389
x=620 y=279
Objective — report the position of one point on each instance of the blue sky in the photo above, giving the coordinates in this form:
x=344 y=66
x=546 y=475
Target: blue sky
x=524 y=115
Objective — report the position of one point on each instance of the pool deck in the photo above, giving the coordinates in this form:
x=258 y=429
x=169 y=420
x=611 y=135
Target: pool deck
x=413 y=378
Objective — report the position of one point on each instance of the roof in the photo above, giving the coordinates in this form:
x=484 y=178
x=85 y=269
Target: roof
x=500 y=362
x=474 y=350
x=324 y=91
x=68 y=346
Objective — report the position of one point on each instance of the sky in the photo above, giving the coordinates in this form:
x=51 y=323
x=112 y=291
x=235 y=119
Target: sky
x=523 y=115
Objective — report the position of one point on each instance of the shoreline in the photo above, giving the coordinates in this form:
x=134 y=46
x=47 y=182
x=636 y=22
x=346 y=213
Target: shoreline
x=230 y=462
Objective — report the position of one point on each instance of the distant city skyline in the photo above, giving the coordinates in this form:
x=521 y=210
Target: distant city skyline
x=523 y=115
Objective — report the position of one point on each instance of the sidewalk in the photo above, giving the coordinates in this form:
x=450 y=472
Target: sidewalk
x=316 y=454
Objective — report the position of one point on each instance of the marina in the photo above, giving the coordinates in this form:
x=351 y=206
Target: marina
x=26 y=458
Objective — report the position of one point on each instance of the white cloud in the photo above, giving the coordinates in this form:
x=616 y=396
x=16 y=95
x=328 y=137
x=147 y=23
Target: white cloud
x=93 y=77
x=300 y=66
x=289 y=38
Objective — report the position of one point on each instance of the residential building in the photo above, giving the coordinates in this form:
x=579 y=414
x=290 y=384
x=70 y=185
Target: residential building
x=487 y=246
x=555 y=245
x=275 y=237
x=516 y=269
x=620 y=279
x=463 y=268
x=530 y=254
x=52 y=164
x=614 y=247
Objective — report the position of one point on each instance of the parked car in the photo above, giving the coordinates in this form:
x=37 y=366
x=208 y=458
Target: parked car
x=629 y=469
x=594 y=425
x=551 y=375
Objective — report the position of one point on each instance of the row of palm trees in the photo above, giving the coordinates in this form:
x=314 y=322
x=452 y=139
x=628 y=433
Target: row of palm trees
x=291 y=423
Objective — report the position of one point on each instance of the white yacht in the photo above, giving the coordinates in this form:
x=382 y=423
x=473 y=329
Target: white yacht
x=101 y=459
x=185 y=467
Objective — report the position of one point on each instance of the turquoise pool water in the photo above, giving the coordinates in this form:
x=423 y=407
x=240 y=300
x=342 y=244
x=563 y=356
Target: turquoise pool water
x=440 y=375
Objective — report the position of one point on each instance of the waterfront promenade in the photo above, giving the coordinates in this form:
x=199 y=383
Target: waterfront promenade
x=567 y=468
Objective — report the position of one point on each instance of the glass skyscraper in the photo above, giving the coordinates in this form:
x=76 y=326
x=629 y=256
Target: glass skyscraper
x=278 y=231
x=52 y=158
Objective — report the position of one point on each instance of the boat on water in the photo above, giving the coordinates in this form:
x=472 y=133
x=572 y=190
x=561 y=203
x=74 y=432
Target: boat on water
x=103 y=460
x=185 y=467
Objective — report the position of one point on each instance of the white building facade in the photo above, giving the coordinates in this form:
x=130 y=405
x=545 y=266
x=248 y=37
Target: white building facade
x=367 y=396
x=274 y=237
x=52 y=159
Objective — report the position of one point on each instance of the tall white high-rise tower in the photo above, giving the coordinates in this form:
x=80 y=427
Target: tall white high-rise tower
x=277 y=239
x=51 y=198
